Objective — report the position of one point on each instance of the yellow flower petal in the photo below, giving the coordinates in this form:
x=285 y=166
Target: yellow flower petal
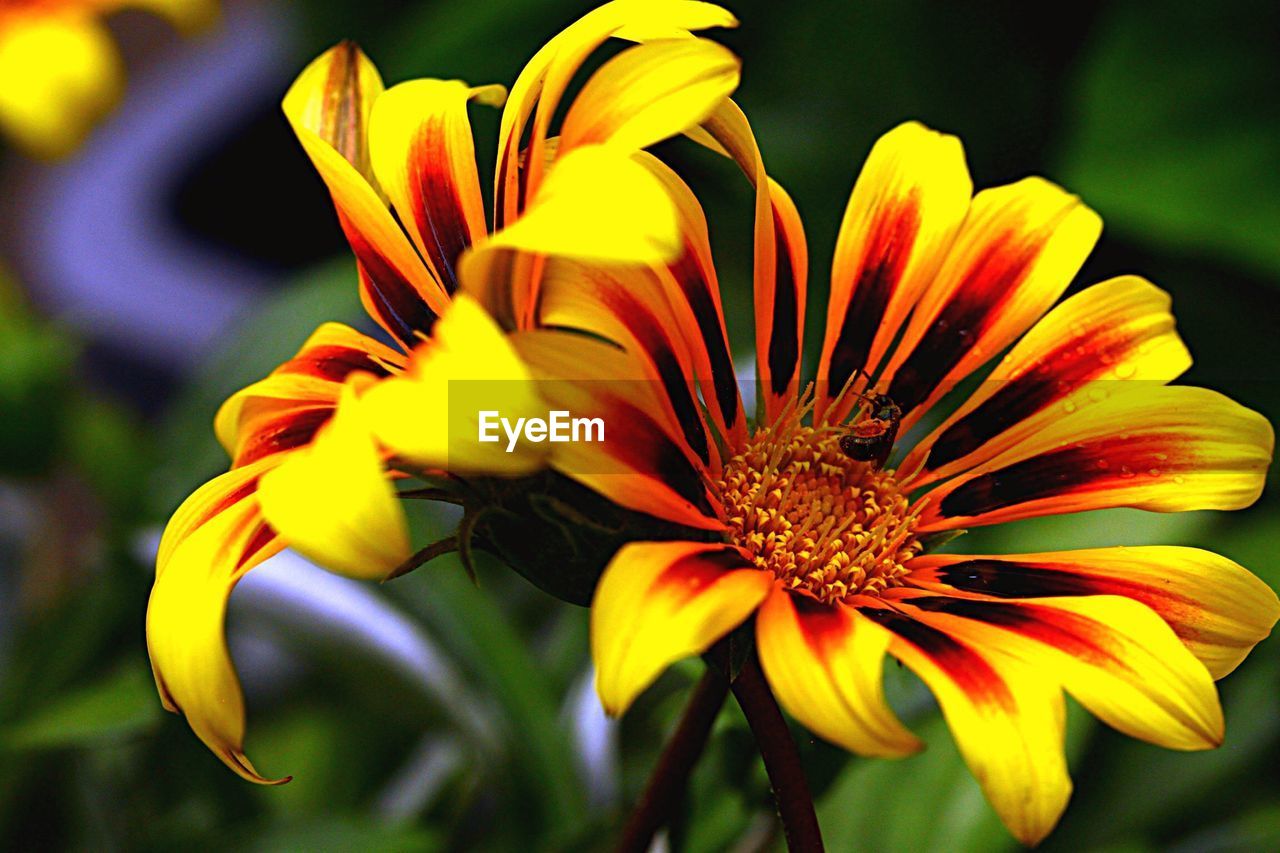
x=1163 y=448
x=910 y=198
x=597 y=204
x=825 y=664
x=329 y=107
x=649 y=93
x=424 y=156
x=1116 y=656
x=659 y=602
x=1216 y=607
x=1080 y=353
x=1007 y=718
x=61 y=74
x=333 y=503
x=212 y=541
x=431 y=416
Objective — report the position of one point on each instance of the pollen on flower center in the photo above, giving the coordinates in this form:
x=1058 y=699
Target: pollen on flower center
x=817 y=519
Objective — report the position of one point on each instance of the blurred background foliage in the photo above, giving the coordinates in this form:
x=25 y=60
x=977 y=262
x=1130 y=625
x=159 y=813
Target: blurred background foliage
x=430 y=713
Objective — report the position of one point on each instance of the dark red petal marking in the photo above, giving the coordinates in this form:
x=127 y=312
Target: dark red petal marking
x=1068 y=632
x=649 y=331
x=1098 y=465
x=698 y=294
x=690 y=575
x=332 y=362
x=393 y=301
x=261 y=537
x=228 y=500
x=1007 y=579
x=290 y=430
x=1072 y=363
x=437 y=206
x=784 y=343
x=884 y=259
x=973 y=675
x=978 y=301
x=637 y=442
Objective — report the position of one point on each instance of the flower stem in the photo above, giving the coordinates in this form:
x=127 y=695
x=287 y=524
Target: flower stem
x=666 y=786
x=781 y=760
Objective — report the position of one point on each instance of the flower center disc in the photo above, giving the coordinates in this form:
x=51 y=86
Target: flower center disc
x=817 y=519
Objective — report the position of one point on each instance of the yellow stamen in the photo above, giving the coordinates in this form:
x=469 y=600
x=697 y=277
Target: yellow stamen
x=817 y=519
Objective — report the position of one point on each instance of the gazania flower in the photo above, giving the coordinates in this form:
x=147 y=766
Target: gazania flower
x=828 y=548
x=60 y=72
x=311 y=444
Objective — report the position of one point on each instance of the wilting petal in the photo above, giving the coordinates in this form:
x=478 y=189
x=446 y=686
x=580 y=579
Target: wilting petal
x=545 y=77
x=425 y=159
x=284 y=410
x=695 y=285
x=781 y=262
x=649 y=93
x=1216 y=608
x=61 y=74
x=333 y=502
x=640 y=461
x=629 y=306
x=1007 y=718
x=214 y=538
x=1116 y=656
x=1015 y=254
x=1076 y=355
x=909 y=201
x=431 y=416
x=659 y=602
x=825 y=664
x=597 y=204
x=328 y=107
x=1163 y=448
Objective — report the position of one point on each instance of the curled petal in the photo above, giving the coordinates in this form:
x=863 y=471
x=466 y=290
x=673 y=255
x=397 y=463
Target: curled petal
x=333 y=502
x=283 y=411
x=329 y=106
x=597 y=204
x=650 y=92
x=547 y=75
x=212 y=541
x=434 y=415
x=424 y=156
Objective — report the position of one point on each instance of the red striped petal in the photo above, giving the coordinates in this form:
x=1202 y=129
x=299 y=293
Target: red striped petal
x=1216 y=608
x=1078 y=354
x=1016 y=252
x=902 y=215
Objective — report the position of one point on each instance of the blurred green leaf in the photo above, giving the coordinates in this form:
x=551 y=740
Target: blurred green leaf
x=1258 y=829
x=1176 y=138
x=36 y=362
x=337 y=835
x=121 y=704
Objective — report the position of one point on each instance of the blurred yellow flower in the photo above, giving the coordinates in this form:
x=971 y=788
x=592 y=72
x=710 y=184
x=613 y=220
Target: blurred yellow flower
x=60 y=72
x=310 y=465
